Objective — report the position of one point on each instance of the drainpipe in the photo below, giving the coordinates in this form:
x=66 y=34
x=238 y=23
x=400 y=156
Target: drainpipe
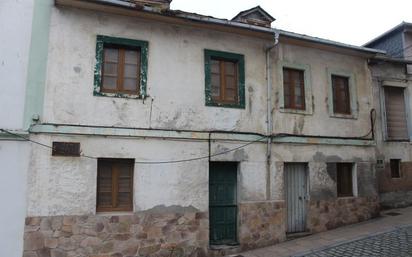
x=269 y=115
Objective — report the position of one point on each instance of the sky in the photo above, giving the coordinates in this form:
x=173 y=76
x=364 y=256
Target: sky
x=348 y=21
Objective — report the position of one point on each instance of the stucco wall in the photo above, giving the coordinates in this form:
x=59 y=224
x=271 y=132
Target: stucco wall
x=15 y=43
x=13 y=159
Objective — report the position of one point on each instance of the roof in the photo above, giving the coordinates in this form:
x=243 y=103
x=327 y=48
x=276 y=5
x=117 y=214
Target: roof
x=129 y=4
x=404 y=25
x=252 y=10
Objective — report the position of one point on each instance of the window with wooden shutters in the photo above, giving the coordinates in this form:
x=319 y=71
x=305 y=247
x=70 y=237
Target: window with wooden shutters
x=121 y=70
x=225 y=79
x=115 y=185
x=344 y=179
x=294 y=88
x=396 y=122
x=341 y=96
x=121 y=67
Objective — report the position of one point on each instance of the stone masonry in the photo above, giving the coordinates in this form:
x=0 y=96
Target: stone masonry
x=138 y=234
x=328 y=214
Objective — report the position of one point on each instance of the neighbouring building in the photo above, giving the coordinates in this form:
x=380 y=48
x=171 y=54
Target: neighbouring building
x=392 y=90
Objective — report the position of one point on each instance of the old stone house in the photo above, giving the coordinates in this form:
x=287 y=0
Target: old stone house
x=392 y=90
x=156 y=131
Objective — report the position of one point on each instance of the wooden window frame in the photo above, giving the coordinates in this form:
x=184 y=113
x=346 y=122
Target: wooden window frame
x=336 y=94
x=120 y=70
x=240 y=79
x=222 y=95
x=339 y=168
x=292 y=104
x=124 y=43
x=115 y=185
x=395 y=164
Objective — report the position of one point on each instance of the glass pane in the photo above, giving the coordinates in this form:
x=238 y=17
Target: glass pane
x=215 y=67
x=123 y=199
x=131 y=56
x=111 y=54
x=286 y=89
x=215 y=85
x=285 y=75
x=230 y=94
x=110 y=69
x=130 y=71
x=230 y=68
x=109 y=82
x=298 y=90
x=130 y=84
x=287 y=101
x=105 y=199
x=230 y=82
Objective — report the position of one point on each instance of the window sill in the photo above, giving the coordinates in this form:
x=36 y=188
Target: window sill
x=119 y=95
x=114 y=213
x=344 y=116
x=225 y=105
x=295 y=111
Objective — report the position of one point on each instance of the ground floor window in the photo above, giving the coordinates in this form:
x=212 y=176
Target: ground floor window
x=344 y=179
x=395 y=168
x=115 y=185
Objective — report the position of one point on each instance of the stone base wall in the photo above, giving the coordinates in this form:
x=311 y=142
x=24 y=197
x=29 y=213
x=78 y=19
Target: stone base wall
x=139 y=234
x=396 y=199
x=261 y=224
x=329 y=214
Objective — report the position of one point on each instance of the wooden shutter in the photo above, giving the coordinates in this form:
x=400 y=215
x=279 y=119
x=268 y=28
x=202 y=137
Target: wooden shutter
x=121 y=70
x=396 y=123
x=115 y=185
x=344 y=179
x=341 y=96
x=294 y=88
x=224 y=78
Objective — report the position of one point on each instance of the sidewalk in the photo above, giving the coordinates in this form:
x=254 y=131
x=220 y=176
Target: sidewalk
x=385 y=223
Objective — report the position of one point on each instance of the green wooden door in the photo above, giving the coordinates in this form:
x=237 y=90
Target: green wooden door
x=223 y=203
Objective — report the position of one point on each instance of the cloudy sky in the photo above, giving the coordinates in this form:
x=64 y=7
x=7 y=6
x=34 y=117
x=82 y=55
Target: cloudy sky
x=348 y=21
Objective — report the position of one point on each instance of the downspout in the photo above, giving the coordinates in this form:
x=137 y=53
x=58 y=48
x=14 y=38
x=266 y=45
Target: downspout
x=269 y=120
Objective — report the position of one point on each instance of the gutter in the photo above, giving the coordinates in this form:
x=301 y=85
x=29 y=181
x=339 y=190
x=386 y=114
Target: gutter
x=377 y=59
x=269 y=118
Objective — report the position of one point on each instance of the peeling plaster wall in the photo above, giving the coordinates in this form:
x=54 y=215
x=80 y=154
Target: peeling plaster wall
x=176 y=81
x=67 y=185
x=319 y=62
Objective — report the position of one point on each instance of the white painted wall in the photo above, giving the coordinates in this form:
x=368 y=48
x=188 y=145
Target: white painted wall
x=13 y=170
x=15 y=31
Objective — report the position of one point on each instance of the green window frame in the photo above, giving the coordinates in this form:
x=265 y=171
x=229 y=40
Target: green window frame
x=125 y=42
x=239 y=59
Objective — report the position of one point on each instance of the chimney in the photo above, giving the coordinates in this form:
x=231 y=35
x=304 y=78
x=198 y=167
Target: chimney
x=159 y=5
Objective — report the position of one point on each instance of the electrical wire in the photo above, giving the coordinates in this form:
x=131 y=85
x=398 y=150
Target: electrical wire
x=146 y=162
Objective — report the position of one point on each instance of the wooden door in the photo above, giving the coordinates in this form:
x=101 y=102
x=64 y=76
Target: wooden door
x=296 y=195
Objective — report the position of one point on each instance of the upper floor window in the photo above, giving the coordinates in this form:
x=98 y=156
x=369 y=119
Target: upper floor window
x=341 y=96
x=396 y=122
x=294 y=88
x=121 y=70
x=115 y=185
x=225 y=79
x=121 y=67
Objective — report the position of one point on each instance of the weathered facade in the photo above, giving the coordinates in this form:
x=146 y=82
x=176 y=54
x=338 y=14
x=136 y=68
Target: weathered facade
x=157 y=132
x=392 y=90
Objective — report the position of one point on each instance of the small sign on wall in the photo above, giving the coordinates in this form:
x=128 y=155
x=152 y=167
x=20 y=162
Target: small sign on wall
x=380 y=163
x=66 y=149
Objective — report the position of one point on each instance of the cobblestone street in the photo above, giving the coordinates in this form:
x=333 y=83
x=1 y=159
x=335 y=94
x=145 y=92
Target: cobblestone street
x=397 y=243
x=387 y=236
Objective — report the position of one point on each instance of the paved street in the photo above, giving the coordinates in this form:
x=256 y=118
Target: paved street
x=389 y=235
